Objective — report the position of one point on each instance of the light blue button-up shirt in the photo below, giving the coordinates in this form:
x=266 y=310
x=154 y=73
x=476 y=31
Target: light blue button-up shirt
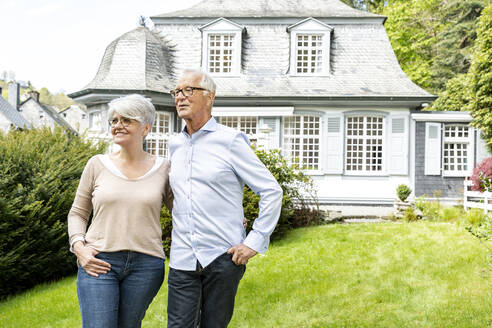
x=208 y=172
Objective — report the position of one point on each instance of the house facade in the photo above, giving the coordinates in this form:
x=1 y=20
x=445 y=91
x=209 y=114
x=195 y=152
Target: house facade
x=30 y=113
x=42 y=115
x=76 y=117
x=316 y=77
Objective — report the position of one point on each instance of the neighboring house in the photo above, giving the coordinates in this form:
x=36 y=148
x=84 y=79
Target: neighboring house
x=39 y=114
x=10 y=118
x=321 y=76
x=76 y=117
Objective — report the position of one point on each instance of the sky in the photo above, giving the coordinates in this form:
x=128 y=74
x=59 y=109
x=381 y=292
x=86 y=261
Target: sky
x=59 y=44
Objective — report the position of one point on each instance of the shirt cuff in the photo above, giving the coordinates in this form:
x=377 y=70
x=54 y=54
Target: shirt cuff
x=257 y=242
x=76 y=239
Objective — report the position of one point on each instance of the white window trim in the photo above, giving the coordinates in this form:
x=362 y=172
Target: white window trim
x=224 y=27
x=320 y=169
x=238 y=125
x=313 y=27
x=92 y=126
x=156 y=136
x=252 y=111
x=468 y=140
x=384 y=171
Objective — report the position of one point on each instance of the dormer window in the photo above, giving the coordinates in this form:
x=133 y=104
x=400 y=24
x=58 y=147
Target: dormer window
x=220 y=53
x=310 y=47
x=222 y=47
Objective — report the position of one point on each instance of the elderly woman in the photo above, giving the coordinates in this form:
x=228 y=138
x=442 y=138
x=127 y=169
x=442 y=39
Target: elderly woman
x=120 y=255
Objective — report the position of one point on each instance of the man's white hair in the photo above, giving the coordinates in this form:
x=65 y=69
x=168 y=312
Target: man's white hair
x=207 y=82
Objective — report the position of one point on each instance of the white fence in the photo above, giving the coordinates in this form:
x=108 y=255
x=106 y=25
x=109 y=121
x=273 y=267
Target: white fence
x=476 y=199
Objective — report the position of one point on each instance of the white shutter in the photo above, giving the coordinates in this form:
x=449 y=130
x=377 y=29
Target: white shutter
x=274 y=136
x=334 y=143
x=432 y=149
x=398 y=145
x=482 y=151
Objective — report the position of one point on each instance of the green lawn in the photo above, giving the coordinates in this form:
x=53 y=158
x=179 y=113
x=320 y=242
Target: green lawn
x=363 y=275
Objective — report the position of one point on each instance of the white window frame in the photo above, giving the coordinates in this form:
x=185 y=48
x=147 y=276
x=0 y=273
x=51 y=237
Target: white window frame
x=302 y=136
x=239 y=123
x=468 y=140
x=155 y=138
x=95 y=121
x=222 y=26
x=384 y=150
x=313 y=27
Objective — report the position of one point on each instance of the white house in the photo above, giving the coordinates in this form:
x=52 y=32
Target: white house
x=321 y=75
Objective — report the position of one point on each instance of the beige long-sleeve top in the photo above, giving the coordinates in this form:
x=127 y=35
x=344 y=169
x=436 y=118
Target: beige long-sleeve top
x=126 y=213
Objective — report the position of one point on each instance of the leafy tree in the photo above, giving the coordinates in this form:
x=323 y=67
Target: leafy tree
x=432 y=39
x=454 y=44
x=481 y=77
x=456 y=95
x=374 y=6
x=413 y=29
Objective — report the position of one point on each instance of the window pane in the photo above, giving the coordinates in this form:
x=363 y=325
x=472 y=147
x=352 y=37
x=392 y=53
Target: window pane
x=309 y=53
x=302 y=139
x=220 y=53
x=364 y=145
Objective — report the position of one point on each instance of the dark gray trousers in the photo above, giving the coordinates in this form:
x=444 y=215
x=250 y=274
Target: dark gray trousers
x=204 y=297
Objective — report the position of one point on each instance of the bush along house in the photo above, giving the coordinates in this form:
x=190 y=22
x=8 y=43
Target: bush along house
x=316 y=79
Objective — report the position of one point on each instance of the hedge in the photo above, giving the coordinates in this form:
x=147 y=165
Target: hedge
x=39 y=174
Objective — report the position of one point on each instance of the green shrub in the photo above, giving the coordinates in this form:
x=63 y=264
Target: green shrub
x=475 y=217
x=452 y=214
x=409 y=215
x=403 y=191
x=431 y=210
x=167 y=227
x=305 y=217
x=39 y=174
x=297 y=187
x=483 y=230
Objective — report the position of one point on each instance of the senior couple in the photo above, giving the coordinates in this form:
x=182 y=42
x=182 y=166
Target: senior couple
x=119 y=253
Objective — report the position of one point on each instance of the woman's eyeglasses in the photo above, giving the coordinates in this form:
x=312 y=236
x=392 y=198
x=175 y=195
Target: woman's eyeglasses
x=125 y=121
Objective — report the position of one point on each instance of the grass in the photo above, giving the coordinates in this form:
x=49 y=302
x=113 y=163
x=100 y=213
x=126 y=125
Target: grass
x=419 y=274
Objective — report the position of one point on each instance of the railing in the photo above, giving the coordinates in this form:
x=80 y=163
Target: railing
x=476 y=199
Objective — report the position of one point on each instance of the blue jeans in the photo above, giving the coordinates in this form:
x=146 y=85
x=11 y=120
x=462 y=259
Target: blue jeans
x=120 y=297
x=204 y=297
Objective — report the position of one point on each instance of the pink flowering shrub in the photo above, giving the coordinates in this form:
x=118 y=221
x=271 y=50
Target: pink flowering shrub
x=482 y=176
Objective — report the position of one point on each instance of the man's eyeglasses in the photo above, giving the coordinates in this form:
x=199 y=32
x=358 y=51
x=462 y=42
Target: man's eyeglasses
x=187 y=92
x=125 y=121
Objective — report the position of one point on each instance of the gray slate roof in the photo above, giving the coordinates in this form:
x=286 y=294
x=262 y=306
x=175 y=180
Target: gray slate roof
x=57 y=118
x=53 y=113
x=269 y=8
x=13 y=114
x=362 y=61
x=137 y=60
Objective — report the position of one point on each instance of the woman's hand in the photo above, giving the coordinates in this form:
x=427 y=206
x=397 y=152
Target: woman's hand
x=88 y=261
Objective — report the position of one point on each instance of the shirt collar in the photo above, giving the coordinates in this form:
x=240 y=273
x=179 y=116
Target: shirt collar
x=211 y=125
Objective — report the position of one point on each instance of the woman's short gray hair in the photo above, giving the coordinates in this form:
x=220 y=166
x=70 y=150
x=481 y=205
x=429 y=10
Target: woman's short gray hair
x=207 y=81
x=133 y=106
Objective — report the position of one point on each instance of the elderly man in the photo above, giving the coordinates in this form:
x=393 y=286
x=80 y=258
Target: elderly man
x=210 y=249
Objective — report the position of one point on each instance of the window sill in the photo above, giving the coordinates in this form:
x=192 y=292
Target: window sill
x=309 y=75
x=456 y=174
x=313 y=173
x=365 y=174
x=224 y=74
